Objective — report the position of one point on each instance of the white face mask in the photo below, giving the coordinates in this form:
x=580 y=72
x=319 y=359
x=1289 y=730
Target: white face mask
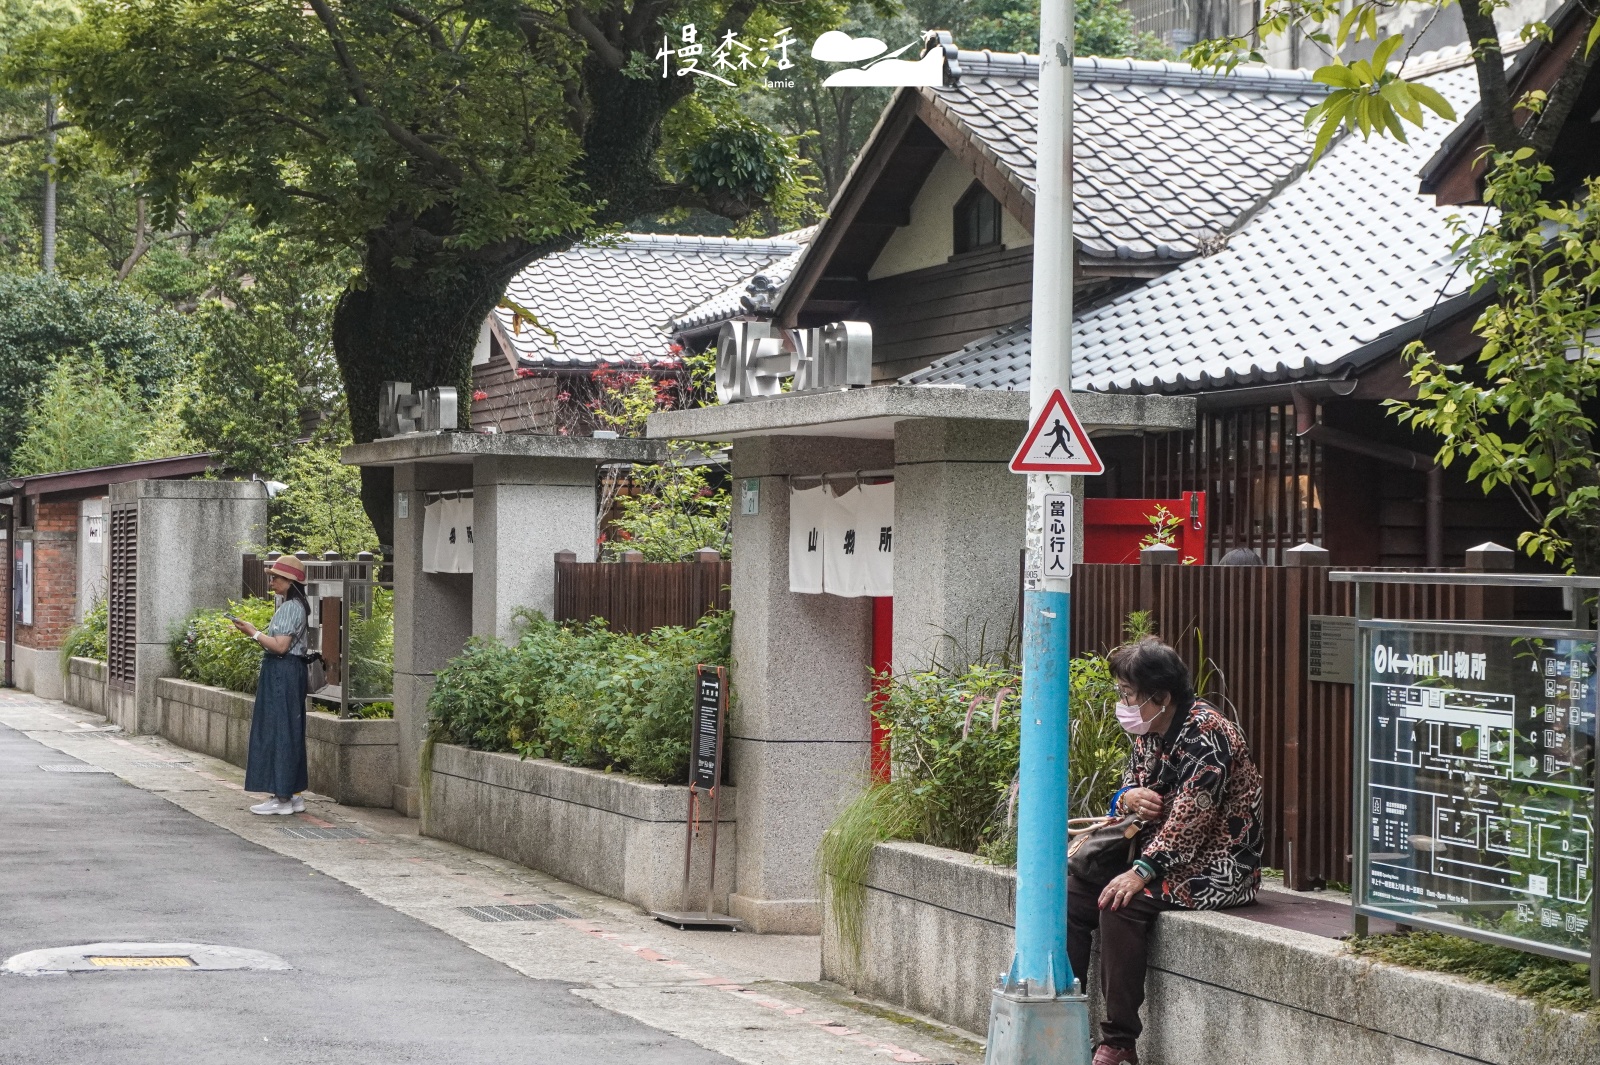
x=1131 y=717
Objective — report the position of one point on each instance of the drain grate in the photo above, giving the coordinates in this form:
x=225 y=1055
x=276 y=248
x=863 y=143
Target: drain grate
x=537 y=911
x=313 y=832
x=157 y=763
x=72 y=767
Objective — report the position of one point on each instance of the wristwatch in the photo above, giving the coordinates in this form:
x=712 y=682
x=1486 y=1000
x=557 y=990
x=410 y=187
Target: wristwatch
x=1146 y=871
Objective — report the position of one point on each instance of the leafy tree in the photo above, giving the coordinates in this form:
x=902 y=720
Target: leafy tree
x=1521 y=415
x=1100 y=27
x=85 y=417
x=44 y=320
x=677 y=510
x=266 y=375
x=447 y=145
x=321 y=509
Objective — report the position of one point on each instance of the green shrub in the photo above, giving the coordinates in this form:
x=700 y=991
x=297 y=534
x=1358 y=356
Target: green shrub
x=371 y=665
x=87 y=639
x=209 y=650
x=582 y=694
x=955 y=741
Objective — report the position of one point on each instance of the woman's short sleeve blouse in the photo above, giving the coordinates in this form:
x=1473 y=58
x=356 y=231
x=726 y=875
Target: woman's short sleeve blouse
x=290 y=619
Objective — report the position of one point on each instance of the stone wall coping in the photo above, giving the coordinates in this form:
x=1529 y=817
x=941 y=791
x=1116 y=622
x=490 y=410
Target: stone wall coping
x=872 y=412
x=351 y=731
x=1296 y=969
x=88 y=668
x=613 y=792
x=127 y=491
x=220 y=700
x=445 y=446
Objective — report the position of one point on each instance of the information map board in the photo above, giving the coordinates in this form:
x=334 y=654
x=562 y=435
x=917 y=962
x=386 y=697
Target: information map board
x=1476 y=794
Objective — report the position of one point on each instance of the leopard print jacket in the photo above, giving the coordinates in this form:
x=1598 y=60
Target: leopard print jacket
x=1206 y=849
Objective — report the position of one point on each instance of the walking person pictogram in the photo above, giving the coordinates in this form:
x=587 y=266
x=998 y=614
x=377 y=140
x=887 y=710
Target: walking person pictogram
x=1060 y=437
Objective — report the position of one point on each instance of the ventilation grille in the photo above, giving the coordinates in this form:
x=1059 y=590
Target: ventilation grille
x=537 y=911
x=123 y=595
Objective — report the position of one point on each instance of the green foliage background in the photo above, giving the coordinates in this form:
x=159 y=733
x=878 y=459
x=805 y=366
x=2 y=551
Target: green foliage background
x=209 y=650
x=87 y=639
x=581 y=694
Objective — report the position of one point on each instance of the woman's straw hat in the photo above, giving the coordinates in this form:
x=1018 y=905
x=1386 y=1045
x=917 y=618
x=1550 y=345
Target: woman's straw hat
x=290 y=567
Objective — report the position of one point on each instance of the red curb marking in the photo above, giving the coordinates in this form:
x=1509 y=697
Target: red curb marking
x=310 y=820
x=896 y=1053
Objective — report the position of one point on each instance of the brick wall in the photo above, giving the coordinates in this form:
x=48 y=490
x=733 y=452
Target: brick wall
x=55 y=575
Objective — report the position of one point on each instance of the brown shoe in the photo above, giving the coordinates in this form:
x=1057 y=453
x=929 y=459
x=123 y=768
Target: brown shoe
x=1109 y=1055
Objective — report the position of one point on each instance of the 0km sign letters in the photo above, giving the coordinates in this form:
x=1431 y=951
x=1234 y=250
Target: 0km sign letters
x=1057 y=443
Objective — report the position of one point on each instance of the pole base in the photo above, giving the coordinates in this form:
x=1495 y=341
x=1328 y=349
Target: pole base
x=1038 y=1031
x=698 y=919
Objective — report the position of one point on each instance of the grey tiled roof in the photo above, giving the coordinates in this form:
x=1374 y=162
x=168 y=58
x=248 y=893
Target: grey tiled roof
x=609 y=303
x=1164 y=156
x=730 y=302
x=1345 y=255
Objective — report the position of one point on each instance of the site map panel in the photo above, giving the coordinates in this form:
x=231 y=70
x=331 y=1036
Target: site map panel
x=1479 y=797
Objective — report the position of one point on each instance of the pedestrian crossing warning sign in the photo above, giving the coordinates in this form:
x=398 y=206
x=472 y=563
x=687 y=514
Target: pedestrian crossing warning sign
x=1057 y=443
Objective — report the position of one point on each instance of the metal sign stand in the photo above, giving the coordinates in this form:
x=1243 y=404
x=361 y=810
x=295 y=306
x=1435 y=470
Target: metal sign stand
x=1583 y=624
x=705 y=771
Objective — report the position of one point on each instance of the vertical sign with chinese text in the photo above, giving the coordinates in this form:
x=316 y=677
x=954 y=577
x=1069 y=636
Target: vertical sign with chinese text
x=1057 y=535
x=710 y=702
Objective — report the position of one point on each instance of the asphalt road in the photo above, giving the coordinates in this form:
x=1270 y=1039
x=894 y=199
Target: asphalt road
x=87 y=858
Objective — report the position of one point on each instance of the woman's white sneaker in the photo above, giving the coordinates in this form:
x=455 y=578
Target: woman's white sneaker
x=272 y=806
x=299 y=803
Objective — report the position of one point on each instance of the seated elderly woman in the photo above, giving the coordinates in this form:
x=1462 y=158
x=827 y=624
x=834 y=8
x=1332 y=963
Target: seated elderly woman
x=1191 y=782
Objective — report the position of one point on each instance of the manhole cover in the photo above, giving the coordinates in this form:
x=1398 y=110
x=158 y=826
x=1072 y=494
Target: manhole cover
x=141 y=957
x=72 y=767
x=313 y=832
x=157 y=763
x=538 y=911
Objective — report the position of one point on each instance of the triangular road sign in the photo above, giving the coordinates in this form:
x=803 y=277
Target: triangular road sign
x=1057 y=443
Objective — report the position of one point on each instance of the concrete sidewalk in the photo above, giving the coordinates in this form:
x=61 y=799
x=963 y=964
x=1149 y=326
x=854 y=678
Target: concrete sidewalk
x=392 y=959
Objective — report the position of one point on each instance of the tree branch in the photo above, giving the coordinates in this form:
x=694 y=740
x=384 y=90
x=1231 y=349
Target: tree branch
x=1494 y=94
x=358 y=92
x=424 y=23
x=1542 y=131
x=608 y=53
x=23 y=138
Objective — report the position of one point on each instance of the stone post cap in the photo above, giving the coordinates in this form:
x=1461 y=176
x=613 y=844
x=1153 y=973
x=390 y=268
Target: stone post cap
x=366 y=556
x=566 y=556
x=273 y=556
x=303 y=556
x=708 y=554
x=1307 y=555
x=332 y=556
x=1158 y=555
x=1490 y=556
x=633 y=556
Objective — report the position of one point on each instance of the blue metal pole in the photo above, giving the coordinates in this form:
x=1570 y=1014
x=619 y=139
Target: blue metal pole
x=1041 y=963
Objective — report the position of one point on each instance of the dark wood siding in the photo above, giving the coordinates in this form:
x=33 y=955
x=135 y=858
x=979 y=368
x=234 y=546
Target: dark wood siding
x=512 y=404
x=919 y=316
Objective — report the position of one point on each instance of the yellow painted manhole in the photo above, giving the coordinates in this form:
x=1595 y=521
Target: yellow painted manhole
x=114 y=962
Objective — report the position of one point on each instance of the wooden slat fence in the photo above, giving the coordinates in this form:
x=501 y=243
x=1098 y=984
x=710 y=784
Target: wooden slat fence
x=1243 y=630
x=639 y=596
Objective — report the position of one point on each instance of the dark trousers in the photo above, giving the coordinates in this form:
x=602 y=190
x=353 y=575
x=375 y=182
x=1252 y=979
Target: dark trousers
x=1124 y=953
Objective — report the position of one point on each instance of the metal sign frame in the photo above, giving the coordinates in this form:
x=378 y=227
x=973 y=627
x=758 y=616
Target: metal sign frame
x=1581 y=592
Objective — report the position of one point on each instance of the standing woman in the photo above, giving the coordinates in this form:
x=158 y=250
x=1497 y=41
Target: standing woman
x=277 y=759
